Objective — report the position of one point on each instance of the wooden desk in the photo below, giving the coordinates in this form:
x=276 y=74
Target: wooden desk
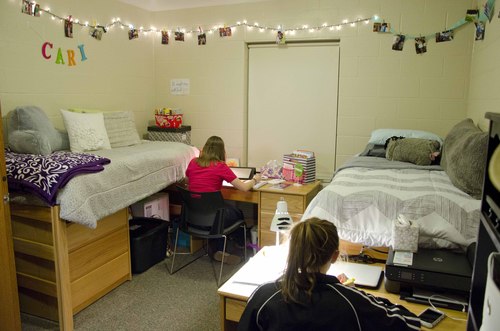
x=297 y=198
x=233 y=295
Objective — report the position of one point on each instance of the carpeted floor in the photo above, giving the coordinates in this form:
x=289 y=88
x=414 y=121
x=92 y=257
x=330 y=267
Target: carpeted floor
x=154 y=300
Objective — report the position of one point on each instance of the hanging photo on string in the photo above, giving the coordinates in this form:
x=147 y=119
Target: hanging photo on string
x=164 y=37
x=133 y=34
x=68 y=28
x=225 y=32
x=398 y=42
x=179 y=36
x=480 y=27
x=202 y=37
x=280 y=38
x=95 y=33
x=381 y=27
x=420 y=45
x=30 y=8
x=444 y=36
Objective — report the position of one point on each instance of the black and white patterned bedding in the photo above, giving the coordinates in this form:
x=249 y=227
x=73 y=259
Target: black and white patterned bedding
x=368 y=193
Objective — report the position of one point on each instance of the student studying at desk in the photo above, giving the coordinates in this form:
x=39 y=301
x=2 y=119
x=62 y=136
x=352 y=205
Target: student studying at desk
x=306 y=298
x=206 y=174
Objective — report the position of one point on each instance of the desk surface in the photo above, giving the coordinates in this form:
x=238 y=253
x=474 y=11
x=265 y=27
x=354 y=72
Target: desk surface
x=241 y=285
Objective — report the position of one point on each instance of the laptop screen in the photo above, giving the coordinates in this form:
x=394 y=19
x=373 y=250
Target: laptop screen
x=243 y=173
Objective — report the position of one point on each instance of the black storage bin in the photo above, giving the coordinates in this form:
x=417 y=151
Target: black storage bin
x=148 y=242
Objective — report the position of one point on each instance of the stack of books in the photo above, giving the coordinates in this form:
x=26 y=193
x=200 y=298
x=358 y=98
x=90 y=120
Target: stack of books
x=299 y=167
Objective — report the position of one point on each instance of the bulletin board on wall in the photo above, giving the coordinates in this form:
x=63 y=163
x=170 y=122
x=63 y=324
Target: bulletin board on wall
x=292 y=102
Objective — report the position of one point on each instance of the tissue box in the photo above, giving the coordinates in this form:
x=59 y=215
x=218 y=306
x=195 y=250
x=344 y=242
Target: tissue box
x=405 y=237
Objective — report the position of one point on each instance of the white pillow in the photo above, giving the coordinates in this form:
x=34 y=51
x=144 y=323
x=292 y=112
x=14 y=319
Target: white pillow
x=86 y=131
x=378 y=137
x=120 y=126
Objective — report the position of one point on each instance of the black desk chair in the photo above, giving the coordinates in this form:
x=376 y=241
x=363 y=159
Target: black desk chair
x=202 y=216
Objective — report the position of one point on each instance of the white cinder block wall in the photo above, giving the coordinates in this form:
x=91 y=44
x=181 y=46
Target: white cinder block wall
x=117 y=75
x=484 y=91
x=378 y=87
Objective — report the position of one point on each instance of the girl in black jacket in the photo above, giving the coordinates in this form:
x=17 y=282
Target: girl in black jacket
x=305 y=298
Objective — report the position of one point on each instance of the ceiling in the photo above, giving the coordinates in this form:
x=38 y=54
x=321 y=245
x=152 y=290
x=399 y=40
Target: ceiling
x=160 y=5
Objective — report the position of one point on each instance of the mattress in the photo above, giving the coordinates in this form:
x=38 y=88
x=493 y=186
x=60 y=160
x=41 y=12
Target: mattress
x=134 y=173
x=367 y=194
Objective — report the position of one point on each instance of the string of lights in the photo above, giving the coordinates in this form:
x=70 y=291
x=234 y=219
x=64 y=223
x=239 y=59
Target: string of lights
x=249 y=26
x=117 y=22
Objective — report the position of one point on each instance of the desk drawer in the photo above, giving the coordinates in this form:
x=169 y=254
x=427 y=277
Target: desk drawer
x=268 y=202
x=234 y=309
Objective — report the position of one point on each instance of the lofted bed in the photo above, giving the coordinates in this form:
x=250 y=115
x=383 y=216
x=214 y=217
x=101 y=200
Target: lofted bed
x=71 y=233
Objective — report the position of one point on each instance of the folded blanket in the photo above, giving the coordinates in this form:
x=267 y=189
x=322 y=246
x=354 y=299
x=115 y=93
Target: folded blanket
x=44 y=175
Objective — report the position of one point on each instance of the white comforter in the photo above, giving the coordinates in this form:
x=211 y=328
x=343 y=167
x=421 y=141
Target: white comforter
x=363 y=201
x=134 y=173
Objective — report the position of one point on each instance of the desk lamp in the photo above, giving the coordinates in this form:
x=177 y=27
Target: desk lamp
x=282 y=222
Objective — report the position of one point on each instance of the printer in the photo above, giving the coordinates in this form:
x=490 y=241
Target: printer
x=443 y=275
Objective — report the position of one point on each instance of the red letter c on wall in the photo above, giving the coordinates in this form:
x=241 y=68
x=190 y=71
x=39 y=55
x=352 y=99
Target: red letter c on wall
x=44 y=53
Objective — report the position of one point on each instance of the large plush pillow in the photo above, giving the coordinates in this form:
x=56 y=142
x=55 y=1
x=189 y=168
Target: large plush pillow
x=120 y=126
x=30 y=131
x=464 y=157
x=413 y=150
x=29 y=142
x=380 y=136
x=86 y=131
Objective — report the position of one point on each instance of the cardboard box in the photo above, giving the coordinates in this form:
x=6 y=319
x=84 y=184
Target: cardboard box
x=156 y=206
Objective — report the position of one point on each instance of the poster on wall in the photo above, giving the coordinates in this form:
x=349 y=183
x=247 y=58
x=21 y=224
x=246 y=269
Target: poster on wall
x=179 y=86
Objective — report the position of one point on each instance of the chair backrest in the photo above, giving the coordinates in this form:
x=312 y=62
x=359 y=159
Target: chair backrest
x=202 y=210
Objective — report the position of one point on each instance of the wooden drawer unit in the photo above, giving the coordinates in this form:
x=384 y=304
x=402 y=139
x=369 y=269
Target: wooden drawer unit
x=297 y=199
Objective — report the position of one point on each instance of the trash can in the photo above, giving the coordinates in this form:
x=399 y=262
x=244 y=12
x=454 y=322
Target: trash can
x=148 y=242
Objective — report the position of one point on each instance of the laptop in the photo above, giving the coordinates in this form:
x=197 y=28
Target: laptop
x=243 y=173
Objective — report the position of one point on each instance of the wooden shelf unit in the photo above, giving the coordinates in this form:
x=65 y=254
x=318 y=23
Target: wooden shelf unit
x=63 y=267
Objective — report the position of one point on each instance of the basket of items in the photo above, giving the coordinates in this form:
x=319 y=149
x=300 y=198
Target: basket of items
x=168 y=118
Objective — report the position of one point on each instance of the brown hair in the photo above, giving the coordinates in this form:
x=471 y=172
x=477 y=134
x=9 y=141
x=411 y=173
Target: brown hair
x=212 y=152
x=312 y=244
